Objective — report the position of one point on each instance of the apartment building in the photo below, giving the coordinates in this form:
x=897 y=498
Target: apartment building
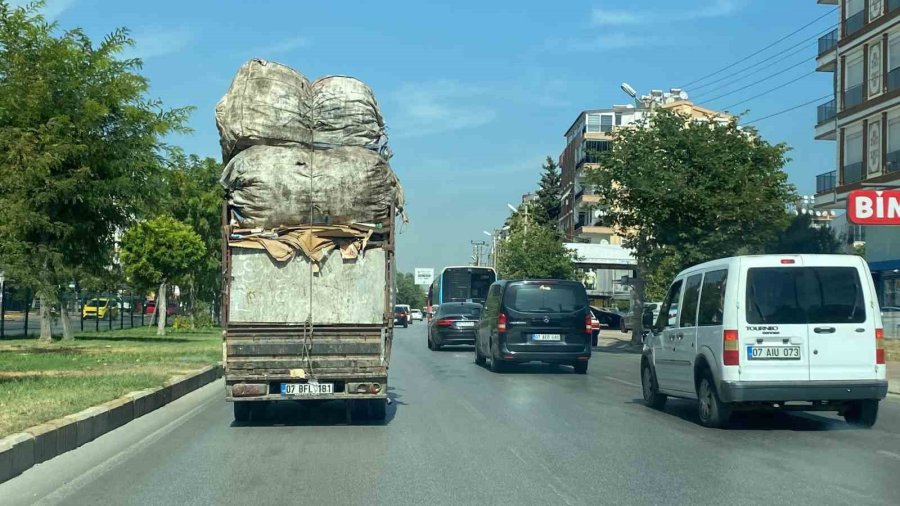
x=863 y=118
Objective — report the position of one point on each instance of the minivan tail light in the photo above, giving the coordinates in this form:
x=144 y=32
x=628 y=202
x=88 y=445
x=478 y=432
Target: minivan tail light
x=730 y=347
x=501 y=322
x=879 y=346
x=588 y=324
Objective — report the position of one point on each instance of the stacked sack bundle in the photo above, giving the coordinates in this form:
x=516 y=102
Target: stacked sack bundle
x=304 y=153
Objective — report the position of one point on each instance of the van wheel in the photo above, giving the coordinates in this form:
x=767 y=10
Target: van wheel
x=713 y=412
x=479 y=358
x=581 y=367
x=862 y=413
x=242 y=411
x=650 y=387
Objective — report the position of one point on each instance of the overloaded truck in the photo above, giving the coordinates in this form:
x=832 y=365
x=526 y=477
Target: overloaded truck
x=309 y=234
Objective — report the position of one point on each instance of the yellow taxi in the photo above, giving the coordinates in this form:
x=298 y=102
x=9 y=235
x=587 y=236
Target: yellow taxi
x=101 y=308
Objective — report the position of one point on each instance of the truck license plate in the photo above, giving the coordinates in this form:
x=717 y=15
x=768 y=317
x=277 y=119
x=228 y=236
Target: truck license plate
x=307 y=388
x=773 y=352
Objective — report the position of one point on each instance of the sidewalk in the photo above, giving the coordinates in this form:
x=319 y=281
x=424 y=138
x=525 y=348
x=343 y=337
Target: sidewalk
x=613 y=341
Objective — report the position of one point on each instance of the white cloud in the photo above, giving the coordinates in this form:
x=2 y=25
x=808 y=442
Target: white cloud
x=283 y=46
x=153 y=42
x=706 y=10
x=52 y=10
x=434 y=107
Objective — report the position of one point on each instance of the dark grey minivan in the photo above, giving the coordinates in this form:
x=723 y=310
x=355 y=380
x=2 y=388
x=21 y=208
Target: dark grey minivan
x=535 y=320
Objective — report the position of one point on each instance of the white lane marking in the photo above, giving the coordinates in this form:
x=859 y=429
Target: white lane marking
x=889 y=454
x=617 y=380
x=514 y=452
x=60 y=494
x=472 y=409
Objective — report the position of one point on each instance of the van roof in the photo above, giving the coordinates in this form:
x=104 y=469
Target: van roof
x=775 y=260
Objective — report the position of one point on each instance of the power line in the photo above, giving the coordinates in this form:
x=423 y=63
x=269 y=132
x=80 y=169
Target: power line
x=802 y=47
x=695 y=81
x=804 y=76
x=754 y=83
x=779 y=113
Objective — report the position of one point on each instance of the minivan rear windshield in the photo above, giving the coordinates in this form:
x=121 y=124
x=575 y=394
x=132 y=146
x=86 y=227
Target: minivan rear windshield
x=548 y=298
x=800 y=295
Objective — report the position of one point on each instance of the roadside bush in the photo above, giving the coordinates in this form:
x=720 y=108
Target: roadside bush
x=182 y=323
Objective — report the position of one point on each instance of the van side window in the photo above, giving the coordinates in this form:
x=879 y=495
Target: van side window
x=492 y=304
x=688 y=314
x=668 y=314
x=712 y=298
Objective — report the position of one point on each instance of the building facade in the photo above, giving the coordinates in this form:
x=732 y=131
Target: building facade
x=863 y=119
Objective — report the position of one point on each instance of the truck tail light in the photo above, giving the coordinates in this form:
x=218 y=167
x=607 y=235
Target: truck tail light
x=879 y=346
x=501 y=322
x=730 y=347
x=444 y=322
x=588 y=323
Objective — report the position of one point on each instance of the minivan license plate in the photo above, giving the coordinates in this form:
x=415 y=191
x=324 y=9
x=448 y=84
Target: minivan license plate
x=307 y=388
x=546 y=337
x=773 y=352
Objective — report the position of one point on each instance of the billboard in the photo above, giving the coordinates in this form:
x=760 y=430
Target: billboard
x=424 y=276
x=874 y=207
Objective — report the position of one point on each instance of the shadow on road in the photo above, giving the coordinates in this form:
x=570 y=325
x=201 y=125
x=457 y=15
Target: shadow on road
x=618 y=347
x=513 y=368
x=315 y=413
x=800 y=421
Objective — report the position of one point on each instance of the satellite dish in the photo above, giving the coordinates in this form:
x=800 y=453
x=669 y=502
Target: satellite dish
x=682 y=95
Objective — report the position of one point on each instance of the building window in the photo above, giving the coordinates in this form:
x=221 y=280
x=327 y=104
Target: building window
x=893 y=146
x=853 y=151
x=853 y=82
x=593 y=123
x=606 y=123
x=593 y=150
x=894 y=62
x=618 y=119
x=856 y=16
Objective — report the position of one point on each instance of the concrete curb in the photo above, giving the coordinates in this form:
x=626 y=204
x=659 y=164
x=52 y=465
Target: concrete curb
x=19 y=452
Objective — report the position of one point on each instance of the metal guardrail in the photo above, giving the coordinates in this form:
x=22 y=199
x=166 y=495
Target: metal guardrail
x=826 y=182
x=828 y=41
x=893 y=4
x=855 y=22
x=853 y=173
x=853 y=96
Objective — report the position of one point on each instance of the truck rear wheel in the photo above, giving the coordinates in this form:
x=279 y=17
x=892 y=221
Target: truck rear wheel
x=242 y=411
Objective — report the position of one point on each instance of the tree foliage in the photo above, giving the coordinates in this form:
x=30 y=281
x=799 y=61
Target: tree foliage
x=160 y=250
x=681 y=191
x=801 y=237
x=80 y=148
x=408 y=292
x=547 y=206
x=535 y=251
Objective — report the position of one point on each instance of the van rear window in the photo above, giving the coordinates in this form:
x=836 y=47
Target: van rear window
x=800 y=295
x=549 y=298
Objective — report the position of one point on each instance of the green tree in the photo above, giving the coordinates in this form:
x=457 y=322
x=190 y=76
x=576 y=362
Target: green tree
x=535 y=251
x=158 y=251
x=80 y=150
x=408 y=292
x=801 y=237
x=194 y=196
x=546 y=208
x=682 y=191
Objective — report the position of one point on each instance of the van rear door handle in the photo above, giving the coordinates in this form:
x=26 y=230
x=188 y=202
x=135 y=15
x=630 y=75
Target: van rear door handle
x=824 y=330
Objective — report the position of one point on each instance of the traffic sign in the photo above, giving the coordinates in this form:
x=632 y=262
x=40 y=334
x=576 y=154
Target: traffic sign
x=424 y=276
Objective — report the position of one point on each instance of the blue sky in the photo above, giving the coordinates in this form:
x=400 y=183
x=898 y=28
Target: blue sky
x=475 y=93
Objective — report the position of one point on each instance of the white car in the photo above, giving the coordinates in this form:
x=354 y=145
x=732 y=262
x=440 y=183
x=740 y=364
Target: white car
x=416 y=314
x=762 y=331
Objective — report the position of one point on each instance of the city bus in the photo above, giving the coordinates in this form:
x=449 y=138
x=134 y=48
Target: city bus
x=460 y=284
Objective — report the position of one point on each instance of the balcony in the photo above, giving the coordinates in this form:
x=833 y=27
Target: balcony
x=853 y=173
x=894 y=78
x=828 y=41
x=855 y=23
x=853 y=96
x=826 y=182
x=892 y=161
x=893 y=5
x=826 y=112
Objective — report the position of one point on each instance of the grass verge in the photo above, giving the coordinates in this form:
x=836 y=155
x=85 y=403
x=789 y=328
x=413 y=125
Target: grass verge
x=41 y=382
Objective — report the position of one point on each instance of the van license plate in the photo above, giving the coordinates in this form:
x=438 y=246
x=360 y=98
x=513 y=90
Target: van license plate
x=307 y=388
x=773 y=352
x=546 y=337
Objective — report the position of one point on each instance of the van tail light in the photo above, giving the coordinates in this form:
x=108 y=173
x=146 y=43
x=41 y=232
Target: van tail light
x=444 y=322
x=879 y=346
x=730 y=347
x=501 y=322
x=588 y=323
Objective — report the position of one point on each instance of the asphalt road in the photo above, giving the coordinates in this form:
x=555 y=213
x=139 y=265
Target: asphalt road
x=459 y=434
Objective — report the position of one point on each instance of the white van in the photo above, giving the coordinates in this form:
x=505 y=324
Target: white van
x=799 y=332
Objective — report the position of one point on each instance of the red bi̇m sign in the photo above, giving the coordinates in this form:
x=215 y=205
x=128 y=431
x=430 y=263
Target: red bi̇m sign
x=874 y=207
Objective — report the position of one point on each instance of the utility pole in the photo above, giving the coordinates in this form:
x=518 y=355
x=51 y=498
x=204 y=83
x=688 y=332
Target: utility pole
x=477 y=247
